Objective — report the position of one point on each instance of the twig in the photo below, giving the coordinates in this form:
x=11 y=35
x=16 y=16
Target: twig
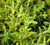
x=24 y=36
x=41 y=33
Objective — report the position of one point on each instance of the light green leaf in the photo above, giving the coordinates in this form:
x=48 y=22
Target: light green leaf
x=17 y=43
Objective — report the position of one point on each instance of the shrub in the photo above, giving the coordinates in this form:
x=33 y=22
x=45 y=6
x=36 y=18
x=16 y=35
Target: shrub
x=24 y=22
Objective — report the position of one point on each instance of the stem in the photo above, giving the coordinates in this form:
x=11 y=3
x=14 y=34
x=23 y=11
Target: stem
x=41 y=33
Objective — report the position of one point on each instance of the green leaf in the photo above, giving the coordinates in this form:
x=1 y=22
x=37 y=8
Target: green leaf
x=21 y=9
x=48 y=40
x=38 y=41
x=34 y=16
x=20 y=43
x=40 y=30
x=17 y=43
x=30 y=33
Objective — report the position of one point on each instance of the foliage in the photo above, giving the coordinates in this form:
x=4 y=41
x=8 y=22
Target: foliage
x=24 y=22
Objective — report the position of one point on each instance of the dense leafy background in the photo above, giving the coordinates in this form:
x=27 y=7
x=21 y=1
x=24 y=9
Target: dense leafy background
x=24 y=22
